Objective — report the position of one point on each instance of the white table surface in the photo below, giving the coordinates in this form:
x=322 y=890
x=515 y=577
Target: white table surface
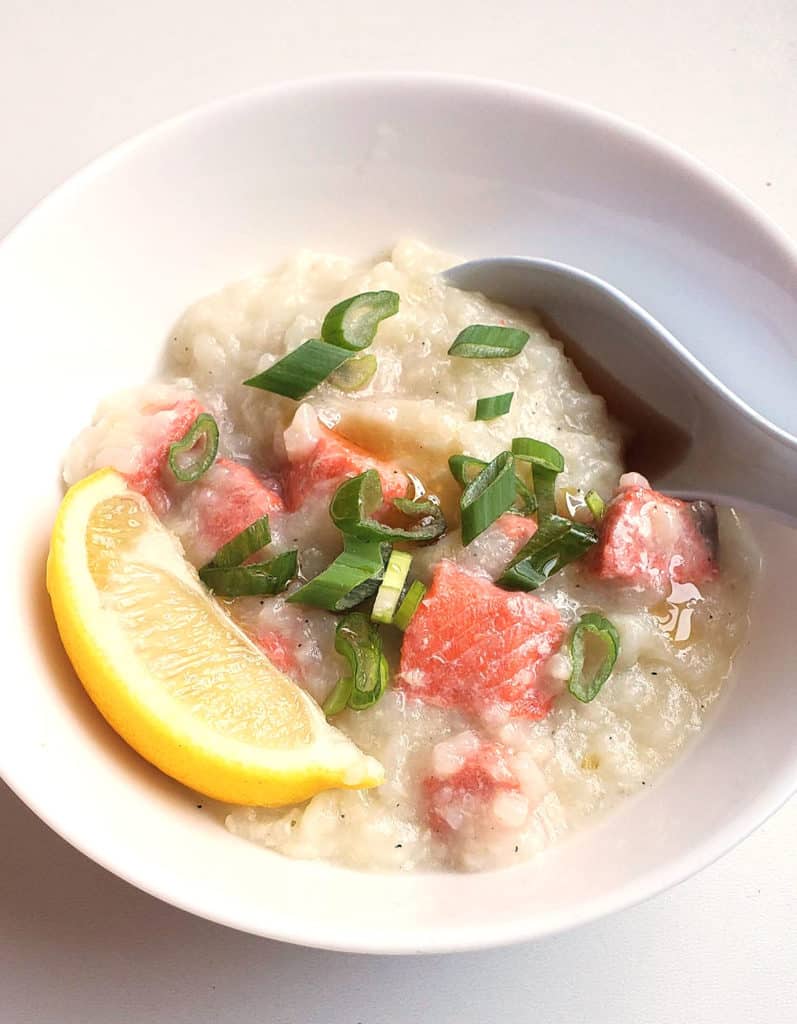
x=717 y=76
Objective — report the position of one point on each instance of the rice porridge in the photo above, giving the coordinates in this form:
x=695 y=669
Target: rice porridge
x=536 y=639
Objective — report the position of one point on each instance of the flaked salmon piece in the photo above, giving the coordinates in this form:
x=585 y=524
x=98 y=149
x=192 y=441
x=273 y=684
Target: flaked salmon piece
x=162 y=425
x=228 y=498
x=279 y=652
x=319 y=459
x=648 y=540
x=519 y=529
x=480 y=649
x=472 y=787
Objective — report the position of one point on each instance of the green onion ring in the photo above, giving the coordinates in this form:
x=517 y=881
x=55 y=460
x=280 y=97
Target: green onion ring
x=352 y=324
x=595 y=625
x=360 y=643
x=557 y=543
x=487 y=496
x=355 y=501
x=492 y=408
x=465 y=468
x=270 y=577
x=595 y=504
x=256 y=536
x=391 y=587
x=301 y=370
x=356 y=373
x=354 y=576
x=482 y=341
x=547 y=463
x=409 y=604
x=204 y=429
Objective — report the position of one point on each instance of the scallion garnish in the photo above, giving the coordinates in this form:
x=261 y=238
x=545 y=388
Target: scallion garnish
x=409 y=604
x=487 y=496
x=391 y=587
x=547 y=463
x=427 y=511
x=538 y=453
x=338 y=699
x=301 y=370
x=356 y=373
x=358 y=640
x=595 y=504
x=354 y=576
x=595 y=625
x=557 y=543
x=480 y=341
x=492 y=408
x=356 y=500
x=244 y=544
x=270 y=577
x=203 y=435
x=349 y=326
x=352 y=323
x=465 y=468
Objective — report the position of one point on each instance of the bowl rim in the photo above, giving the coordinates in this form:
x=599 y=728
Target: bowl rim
x=439 y=939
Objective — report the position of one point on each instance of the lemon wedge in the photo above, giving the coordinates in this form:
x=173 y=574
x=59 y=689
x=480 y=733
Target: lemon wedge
x=169 y=670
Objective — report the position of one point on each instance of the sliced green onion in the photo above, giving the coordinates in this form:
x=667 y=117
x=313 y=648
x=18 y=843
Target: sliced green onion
x=389 y=593
x=465 y=468
x=244 y=544
x=360 y=700
x=492 y=408
x=488 y=496
x=557 y=543
x=595 y=504
x=538 y=453
x=354 y=576
x=203 y=431
x=409 y=604
x=356 y=373
x=352 y=323
x=544 y=491
x=427 y=511
x=356 y=500
x=338 y=699
x=528 y=501
x=261 y=578
x=358 y=640
x=485 y=342
x=592 y=624
x=417 y=508
x=300 y=371
x=547 y=463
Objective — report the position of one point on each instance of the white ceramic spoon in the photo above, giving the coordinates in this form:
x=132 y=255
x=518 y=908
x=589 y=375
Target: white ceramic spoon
x=693 y=437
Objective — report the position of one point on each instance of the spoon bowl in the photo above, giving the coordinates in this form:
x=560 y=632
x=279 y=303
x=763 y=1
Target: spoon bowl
x=692 y=436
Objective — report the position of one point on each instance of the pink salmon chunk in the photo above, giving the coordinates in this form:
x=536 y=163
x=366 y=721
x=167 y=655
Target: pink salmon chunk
x=163 y=425
x=650 y=541
x=477 y=648
x=482 y=774
x=325 y=458
x=229 y=498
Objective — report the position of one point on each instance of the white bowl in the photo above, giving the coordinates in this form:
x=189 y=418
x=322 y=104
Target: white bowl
x=90 y=284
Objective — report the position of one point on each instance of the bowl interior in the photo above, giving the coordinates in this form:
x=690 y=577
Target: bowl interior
x=90 y=284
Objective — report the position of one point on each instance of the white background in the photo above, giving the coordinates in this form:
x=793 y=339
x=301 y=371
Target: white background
x=76 y=76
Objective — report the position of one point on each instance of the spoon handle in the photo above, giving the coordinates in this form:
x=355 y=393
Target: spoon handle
x=741 y=462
